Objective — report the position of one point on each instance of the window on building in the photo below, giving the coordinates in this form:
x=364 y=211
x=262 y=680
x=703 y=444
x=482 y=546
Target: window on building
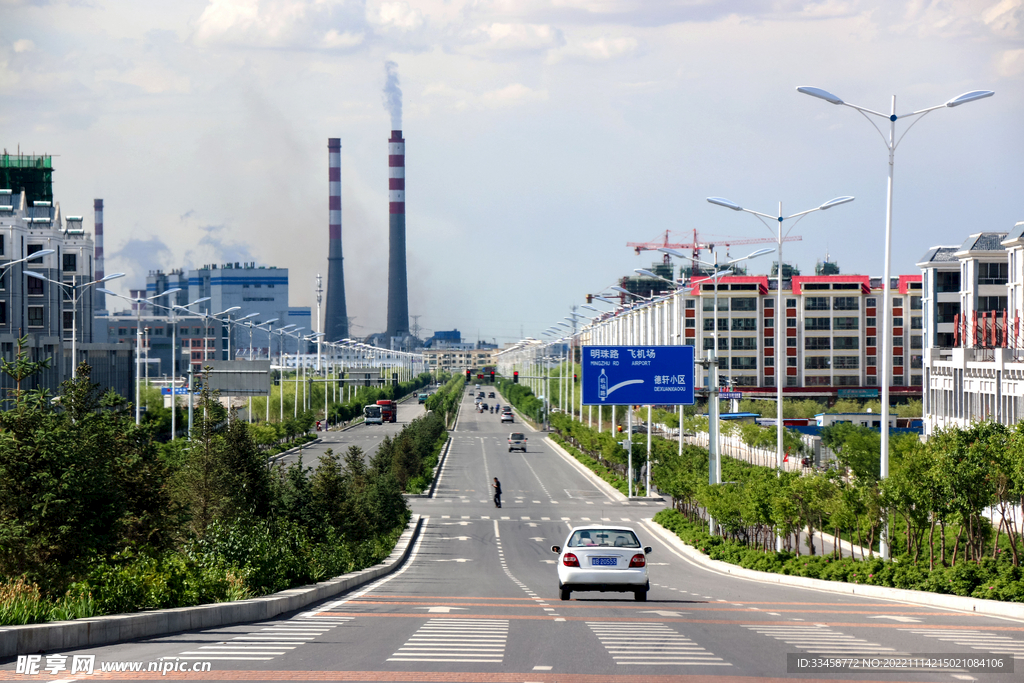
x=769 y=342
x=744 y=344
x=816 y=303
x=709 y=343
x=846 y=362
x=691 y=322
x=3 y=312
x=744 y=304
x=817 y=323
x=2 y=245
x=870 y=302
x=872 y=381
x=35 y=316
x=846 y=343
x=3 y=280
x=723 y=324
x=790 y=322
x=947 y=282
x=34 y=286
x=791 y=342
x=33 y=248
x=916 y=362
x=870 y=361
x=870 y=341
x=991 y=303
x=845 y=285
x=769 y=361
x=744 y=324
x=816 y=363
x=790 y=303
x=916 y=380
x=916 y=342
x=897 y=302
x=947 y=312
x=791 y=362
x=70 y=263
x=897 y=361
x=769 y=322
x=897 y=381
x=791 y=382
x=993 y=273
x=744 y=363
x=69 y=320
x=811 y=286
x=897 y=322
x=845 y=303
x=817 y=343
x=847 y=380
x=769 y=381
x=915 y=303
x=897 y=342
x=917 y=323
x=818 y=381
x=848 y=323
x=691 y=304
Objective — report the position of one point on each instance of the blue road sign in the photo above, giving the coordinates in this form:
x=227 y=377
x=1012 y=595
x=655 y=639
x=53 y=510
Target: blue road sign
x=729 y=395
x=637 y=375
x=178 y=391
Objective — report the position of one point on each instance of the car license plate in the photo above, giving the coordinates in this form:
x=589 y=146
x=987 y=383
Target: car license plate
x=603 y=561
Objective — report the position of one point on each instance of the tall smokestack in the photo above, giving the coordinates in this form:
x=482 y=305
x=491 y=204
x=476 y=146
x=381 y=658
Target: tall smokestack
x=335 y=311
x=100 y=300
x=398 y=289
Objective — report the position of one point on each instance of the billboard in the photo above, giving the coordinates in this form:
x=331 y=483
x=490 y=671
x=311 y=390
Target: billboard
x=637 y=375
x=238 y=377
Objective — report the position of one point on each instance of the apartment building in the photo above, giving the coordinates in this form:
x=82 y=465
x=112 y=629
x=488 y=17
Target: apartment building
x=972 y=294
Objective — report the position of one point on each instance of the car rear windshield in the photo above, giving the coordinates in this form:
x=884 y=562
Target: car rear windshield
x=616 y=538
x=516 y=437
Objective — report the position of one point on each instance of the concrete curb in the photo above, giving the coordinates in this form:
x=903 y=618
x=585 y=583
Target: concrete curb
x=952 y=602
x=605 y=488
x=116 y=628
x=275 y=458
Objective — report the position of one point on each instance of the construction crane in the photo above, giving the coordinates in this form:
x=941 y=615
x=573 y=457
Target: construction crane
x=697 y=243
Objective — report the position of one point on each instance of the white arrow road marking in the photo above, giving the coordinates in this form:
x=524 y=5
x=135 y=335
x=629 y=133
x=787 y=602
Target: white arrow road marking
x=459 y=559
x=536 y=538
x=455 y=523
x=905 y=620
x=548 y=561
x=462 y=538
x=657 y=564
x=665 y=612
x=533 y=524
x=440 y=609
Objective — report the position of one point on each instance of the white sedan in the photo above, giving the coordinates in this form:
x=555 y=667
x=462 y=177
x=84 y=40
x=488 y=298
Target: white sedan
x=602 y=558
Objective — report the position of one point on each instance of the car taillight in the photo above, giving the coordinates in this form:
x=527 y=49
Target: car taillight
x=570 y=560
x=638 y=561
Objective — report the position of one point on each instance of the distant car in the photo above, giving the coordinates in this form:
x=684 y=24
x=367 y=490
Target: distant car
x=516 y=442
x=602 y=558
x=481 y=395
x=507 y=417
x=483 y=407
x=490 y=395
x=639 y=429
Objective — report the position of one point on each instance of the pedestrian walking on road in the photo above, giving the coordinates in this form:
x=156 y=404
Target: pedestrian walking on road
x=497 y=493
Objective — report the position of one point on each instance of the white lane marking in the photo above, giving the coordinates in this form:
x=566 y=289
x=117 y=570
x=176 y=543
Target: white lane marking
x=820 y=639
x=456 y=640
x=651 y=644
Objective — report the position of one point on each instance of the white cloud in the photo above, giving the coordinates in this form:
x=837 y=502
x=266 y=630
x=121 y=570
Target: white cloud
x=24 y=45
x=1010 y=63
x=271 y=23
x=511 y=96
x=1005 y=18
x=335 y=40
x=150 y=78
x=602 y=50
x=503 y=37
x=396 y=16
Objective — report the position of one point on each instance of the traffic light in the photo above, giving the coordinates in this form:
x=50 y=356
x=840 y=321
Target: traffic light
x=492 y=376
x=620 y=429
x=574 y=377
x=515 y=377
x=468 y=376
x=590 y=298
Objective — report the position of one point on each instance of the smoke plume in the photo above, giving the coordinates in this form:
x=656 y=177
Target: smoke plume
x=393 y=95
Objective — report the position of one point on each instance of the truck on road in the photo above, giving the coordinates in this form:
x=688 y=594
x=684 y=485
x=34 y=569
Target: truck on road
x=388 y=410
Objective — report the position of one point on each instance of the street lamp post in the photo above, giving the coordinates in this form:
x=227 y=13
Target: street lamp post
x=780 y=353
x=175 y=357
x=139 y=303
x=77 y=290
x=891 y=142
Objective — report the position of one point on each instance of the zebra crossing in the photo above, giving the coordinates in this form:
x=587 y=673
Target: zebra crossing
x=651 y=644
x=993 y=643
x=456 y=640
x=821 y=640
x=267 y=640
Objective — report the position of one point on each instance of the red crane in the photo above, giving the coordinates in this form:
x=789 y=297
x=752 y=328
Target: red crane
x=697 y=244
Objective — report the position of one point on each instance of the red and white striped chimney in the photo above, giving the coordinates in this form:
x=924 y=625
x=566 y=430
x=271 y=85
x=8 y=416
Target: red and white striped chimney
x=335 y=311
x=100 y=301
x=398 y=289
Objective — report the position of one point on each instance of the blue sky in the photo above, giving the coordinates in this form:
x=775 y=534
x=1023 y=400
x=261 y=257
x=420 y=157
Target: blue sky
x=541 y=135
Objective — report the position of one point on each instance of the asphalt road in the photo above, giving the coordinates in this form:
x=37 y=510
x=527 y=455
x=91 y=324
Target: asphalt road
x=367 y=437
x=478 y=601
